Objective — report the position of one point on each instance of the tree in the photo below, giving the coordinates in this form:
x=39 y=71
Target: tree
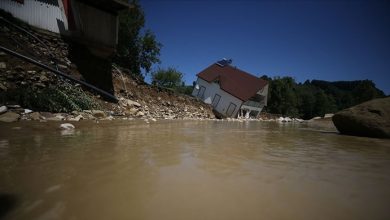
x=169 y=78
x=136 y=50
x=282 y=96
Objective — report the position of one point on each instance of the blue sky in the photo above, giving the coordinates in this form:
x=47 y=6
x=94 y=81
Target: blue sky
x=327 y=40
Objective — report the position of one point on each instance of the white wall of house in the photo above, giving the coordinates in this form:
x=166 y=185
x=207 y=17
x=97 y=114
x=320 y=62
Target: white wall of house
x=211 y=89
x=47 y=15
x=264 y=92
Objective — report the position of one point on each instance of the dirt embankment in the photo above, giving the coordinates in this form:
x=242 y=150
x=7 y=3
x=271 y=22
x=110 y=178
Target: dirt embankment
x=30 y=92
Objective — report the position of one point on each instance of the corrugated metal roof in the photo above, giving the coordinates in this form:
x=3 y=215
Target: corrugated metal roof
x=233 y=81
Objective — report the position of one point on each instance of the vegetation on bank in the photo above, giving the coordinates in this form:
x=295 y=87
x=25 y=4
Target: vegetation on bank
x=137 y=49
x=316 y=98
x=54 y=98
x=171 y=79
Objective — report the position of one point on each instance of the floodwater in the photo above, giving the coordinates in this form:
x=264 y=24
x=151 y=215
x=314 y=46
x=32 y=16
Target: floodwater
x=190 y=170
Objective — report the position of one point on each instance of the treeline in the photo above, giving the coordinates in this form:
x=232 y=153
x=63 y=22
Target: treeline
x=316 y=98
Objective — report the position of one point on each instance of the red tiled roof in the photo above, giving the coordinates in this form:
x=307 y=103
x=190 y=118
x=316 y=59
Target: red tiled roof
x=233 y=81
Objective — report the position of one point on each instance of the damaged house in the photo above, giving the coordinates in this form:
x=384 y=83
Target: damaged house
x=231 y=91
x=94 y=23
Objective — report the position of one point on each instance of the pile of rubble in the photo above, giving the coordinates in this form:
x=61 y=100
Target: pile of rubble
x=136 y=99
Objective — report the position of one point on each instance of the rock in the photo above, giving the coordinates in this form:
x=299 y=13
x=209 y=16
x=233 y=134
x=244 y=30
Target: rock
x=298 y=120
x=315 y=118
x=9 y=117
x=3 y=109
x=370 y=119
x=286 y=119
x=132 y=103
x=47 y=115
x=39 y=85
x=329 y=115
x=13 y=106
x=35 y=116
x=3 y=87
x=43 y=78
x=131 y=111
x=27 y=111
x=67 y=126
x=98 y=113
x=109 y=118
x=140 y=114
x=62 y=66
x=3 y=65
x=77 y=118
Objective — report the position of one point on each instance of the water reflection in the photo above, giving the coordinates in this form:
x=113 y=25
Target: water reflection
x=192 y=170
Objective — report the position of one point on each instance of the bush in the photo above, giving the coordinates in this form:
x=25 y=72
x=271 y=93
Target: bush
x=61 y=98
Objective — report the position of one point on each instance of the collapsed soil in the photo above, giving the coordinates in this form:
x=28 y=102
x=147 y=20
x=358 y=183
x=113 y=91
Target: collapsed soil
x=136 y=98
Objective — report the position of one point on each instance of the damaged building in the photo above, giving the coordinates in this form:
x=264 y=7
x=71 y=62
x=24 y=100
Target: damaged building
x=231 y=91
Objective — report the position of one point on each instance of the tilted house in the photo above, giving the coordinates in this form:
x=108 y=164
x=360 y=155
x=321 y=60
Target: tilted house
x=93 y=23
x=231 y=91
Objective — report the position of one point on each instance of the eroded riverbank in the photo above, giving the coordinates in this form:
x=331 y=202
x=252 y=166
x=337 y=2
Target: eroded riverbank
x=191 y=170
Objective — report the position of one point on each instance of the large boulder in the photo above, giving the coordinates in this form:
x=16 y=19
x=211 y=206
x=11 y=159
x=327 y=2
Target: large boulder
x=9 y=117
x=370 y=119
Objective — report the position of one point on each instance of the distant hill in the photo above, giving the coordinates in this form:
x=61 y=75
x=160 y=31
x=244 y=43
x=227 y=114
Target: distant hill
x=317 y=97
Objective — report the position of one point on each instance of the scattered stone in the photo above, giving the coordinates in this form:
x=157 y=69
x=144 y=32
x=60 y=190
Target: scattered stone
x=3 y=87
x=47 y=115
x=57 y=117
x=77 y=118
x=153 y=119
x=35 y=116
x=329 y=115
x=133 y=103
x=39 y=85
x=315 y=118
x=62 y=66
x=43 y=78
x=13 y=106
x=3 y=109
x=98 y=113
x=67 y=126
x=27 y=111
x=3 y=65
x=140 y=114
x=131 y=111
x=9 y=117
x=108 y=118
x=284 y=119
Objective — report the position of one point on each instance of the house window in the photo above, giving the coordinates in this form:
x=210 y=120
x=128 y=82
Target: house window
x=231 y=109
x=216 y=100
x=201 y=92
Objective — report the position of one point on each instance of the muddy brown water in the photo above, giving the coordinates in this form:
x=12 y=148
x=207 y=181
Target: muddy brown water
x=190 y=170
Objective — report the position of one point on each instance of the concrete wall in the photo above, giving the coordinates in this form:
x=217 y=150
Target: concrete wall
x=45 y=14
x=209 y=93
